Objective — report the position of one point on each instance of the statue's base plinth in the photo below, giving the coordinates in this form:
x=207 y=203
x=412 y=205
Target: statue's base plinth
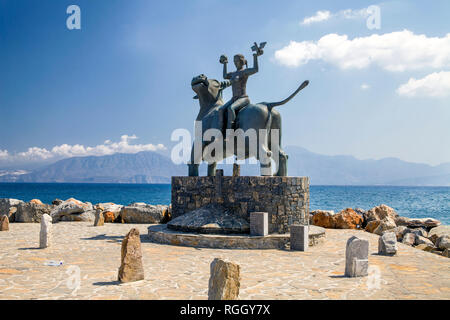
x=162 y=235
x=285 y=199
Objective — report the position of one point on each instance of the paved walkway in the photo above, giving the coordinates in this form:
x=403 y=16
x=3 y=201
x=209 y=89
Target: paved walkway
x=92 y=254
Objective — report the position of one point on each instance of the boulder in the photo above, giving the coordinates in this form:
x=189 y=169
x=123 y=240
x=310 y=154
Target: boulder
x=372 y=225
x=57 y=202
x=424 y=223
x=417 y=231
x=4 y=223
x=446 y=253
x=73 y=210
x=131 y=268
x=443 y=242
x=45 y=235
x=380 y=212
x=425 y=247
x=409 y=239
x=385 y=224
x=399 y=232
x=36 y=201
x=347 y=219
x=31 y=211
x=143 y=213
x=109 y=216
x=438 y=232
x=422 y=240
x=323 y=219
x=224 y=281
x=402 y=221
x=387 y=244
x=111 y=207
x=9 y=207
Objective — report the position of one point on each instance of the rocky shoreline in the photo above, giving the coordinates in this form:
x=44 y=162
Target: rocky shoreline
x=76 y=210
x=427 y=234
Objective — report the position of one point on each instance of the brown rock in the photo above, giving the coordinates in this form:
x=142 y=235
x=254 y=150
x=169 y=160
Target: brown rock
x=372 y=225
x=131 y=268
x=347 y=219
x=424 y=222
x=422 y=240
x=385 y=224
x=36 y=201
x=4 y=223
x=323 y=219
x=224 y=282
x=409 y=239
x=381 y=212
x=446 y=253
x=109 y=216
x=438 y=232
x=426 y=247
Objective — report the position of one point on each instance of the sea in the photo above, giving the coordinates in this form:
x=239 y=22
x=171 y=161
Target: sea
x=412 y=202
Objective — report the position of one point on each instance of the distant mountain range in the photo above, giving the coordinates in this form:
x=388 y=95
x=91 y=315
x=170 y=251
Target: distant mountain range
x=152 y=167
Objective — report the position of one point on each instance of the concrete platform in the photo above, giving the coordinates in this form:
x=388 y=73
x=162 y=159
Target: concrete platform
x=162 y=235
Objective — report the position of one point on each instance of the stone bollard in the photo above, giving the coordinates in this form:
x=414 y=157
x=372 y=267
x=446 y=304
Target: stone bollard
x=299 y=237
x=259 y=224
x=224 y=282
x=4 y=223
x=45 y=235
x=99 y=218
x=387 y=244
x=131 y=268
x=357 y=257
x=236 y=170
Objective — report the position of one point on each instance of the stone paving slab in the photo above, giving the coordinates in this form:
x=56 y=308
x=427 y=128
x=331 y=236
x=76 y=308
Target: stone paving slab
x=173 y=272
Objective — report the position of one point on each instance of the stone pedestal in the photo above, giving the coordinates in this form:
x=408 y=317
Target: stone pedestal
x=45 y=235
x=299 y=237
x=356 y=257
x=283 y=198
x=259 y=224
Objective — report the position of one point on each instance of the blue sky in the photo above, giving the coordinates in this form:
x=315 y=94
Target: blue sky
x=124 y=78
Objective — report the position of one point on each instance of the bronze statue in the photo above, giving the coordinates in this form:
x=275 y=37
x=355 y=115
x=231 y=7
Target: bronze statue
x=258 y=117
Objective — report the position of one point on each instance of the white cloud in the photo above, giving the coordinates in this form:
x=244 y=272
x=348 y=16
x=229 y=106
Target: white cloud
x=67 y=151
x=365 y=86
x=436 y=84
x=325 y=15
x=396 y=51
x=319 y=16
x=3 y=154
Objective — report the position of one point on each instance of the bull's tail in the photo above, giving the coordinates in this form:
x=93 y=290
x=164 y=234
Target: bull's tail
x=271 y=105
x=280 y=103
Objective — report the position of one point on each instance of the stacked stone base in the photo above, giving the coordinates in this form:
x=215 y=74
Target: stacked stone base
x=162 y=235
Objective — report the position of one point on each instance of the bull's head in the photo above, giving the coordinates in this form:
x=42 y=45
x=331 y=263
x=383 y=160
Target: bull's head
x=209 y=91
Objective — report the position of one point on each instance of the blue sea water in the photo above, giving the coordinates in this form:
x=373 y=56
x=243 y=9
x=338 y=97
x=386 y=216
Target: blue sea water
x=413 y=202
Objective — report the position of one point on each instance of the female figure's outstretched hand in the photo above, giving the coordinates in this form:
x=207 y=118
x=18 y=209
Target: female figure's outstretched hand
x=223 y=59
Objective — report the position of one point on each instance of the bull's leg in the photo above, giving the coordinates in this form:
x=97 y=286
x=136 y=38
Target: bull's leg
x=212 y=169
x=282 y=164
x=196 y=159
x=265 y=162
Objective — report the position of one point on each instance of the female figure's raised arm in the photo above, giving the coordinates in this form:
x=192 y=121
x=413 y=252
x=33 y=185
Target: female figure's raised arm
x=224 y=60
x=255 y=69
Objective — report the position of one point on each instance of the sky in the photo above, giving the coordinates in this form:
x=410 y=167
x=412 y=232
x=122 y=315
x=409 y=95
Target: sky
x=121 y=83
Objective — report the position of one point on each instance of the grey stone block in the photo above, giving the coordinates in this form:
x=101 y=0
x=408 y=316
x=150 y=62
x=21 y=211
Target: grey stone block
x=299 y=237
x=356 y=257
x=387 y=244
x=259 y=223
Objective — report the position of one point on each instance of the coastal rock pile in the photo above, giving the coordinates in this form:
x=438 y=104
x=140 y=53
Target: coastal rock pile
x=426 y=234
